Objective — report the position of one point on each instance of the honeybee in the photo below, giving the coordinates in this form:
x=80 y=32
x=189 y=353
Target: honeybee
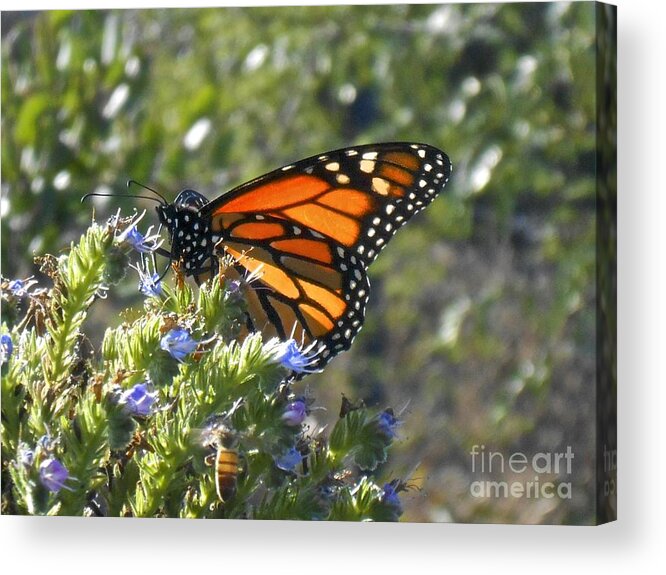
x=225 y=459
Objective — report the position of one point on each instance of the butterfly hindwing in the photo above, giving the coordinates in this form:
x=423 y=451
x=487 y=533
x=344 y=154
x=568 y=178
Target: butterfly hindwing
x=290 y=294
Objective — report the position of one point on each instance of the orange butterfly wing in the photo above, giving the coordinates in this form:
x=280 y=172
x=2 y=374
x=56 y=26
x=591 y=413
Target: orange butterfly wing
x=308 y=231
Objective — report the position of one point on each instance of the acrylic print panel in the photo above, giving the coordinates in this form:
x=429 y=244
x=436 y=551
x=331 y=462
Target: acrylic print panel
x=481 y=387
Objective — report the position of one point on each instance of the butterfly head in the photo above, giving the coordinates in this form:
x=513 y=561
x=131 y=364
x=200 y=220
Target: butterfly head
x=189 y=231
x=190 y=200
x=187 y=201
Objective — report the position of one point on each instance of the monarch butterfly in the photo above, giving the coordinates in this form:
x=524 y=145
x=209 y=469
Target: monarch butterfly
x=305 y=234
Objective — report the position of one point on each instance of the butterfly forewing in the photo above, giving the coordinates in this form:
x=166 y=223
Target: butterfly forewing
x=357 y=197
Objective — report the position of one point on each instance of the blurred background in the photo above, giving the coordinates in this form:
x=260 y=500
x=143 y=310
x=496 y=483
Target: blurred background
x=481 y=323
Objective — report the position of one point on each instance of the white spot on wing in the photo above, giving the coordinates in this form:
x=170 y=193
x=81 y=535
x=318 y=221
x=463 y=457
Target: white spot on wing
x=367 y=166
x=381 y=186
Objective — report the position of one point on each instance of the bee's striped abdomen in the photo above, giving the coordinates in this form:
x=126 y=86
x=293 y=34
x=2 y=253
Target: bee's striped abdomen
x=226 y=475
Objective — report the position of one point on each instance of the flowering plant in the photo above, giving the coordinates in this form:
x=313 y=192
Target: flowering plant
x=130 y=430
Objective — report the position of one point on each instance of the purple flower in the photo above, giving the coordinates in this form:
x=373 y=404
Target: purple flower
x=53 y=474
x=138 y=400
x=26 y=456
x=289 y=460
x=390 y=498
x=295 y=412
x=150 y=285
x=387 y=423
x=233 y=287
x=46 y=443
x=143 y=244
x=291 y=356
x=6 y=348
x=19 y=288
x=178 y=343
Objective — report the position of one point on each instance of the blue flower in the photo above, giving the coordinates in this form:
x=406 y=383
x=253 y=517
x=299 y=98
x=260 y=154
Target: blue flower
x=150 y=285
x=178 y=343
x=26 y=456
x=387 y=423
x=19 y=288
x=289 y=460
x=53 y=474
x=46 y=443
x=6 y=348
x=390 y=498
x=143 y=244
x=138 y=400
x=233 y=286
x=291 y=356
x=295 y=412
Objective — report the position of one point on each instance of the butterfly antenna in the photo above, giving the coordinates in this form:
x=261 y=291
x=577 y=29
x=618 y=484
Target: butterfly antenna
x=99 y=194
x=130 y=182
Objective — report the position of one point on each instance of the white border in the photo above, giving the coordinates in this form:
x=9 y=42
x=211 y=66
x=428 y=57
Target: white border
x=67 y=545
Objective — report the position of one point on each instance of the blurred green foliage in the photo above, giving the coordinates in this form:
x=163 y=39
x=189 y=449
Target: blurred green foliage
x=482 y=312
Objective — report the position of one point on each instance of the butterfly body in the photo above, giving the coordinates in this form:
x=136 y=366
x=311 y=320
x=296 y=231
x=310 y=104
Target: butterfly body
x=305 y=234
x=189 y=232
